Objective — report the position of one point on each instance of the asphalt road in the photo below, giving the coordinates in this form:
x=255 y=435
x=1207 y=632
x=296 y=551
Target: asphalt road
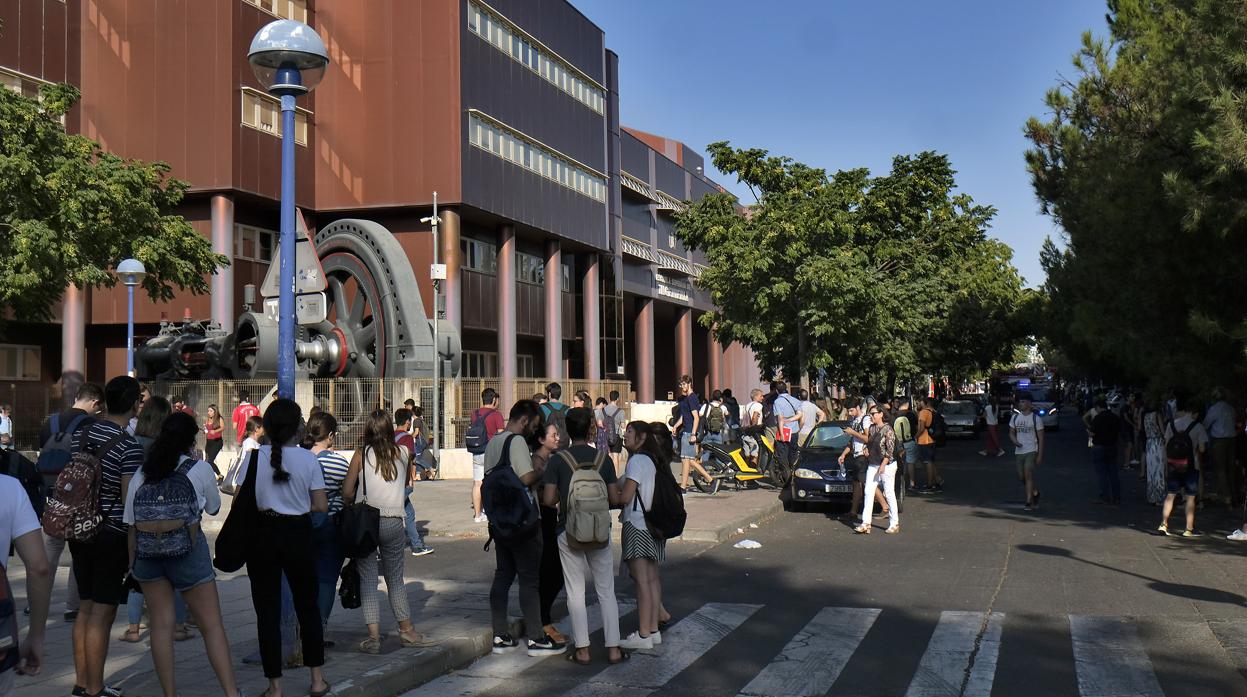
x=975 y=597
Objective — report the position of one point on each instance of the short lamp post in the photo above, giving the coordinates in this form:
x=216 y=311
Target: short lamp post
x=131 y=273
x=289 y=59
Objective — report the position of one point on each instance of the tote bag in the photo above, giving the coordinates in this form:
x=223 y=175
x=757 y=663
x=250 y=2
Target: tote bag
x=233 y=543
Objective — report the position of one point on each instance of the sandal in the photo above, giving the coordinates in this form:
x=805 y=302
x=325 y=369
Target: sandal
x=414 y=639
x=862 y=530
x=131 y=636
x=327 y=690
x=892 y=530
x=623 y=656
x=571 y=658
x=371 y=645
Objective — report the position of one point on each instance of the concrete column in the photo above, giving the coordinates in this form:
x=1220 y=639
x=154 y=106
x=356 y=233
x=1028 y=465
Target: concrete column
x=74 y=333
x=645 y=350
x=684 y=340
x=554 y=310
x=452 y=257
x=223 y=279
x=715 y=363
x=592 y=308
x=506 y=316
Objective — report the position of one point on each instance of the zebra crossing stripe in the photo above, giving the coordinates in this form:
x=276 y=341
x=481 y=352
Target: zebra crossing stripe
x=686 y=641
x=1109 y=658
x=813 y=659
x=956 y=656
x=494 y=670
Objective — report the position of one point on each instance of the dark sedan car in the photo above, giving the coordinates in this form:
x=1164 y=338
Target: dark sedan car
x=818 y=476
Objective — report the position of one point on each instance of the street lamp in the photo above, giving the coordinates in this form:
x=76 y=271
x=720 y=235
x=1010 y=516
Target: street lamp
x=289 y=59
x=131 y=272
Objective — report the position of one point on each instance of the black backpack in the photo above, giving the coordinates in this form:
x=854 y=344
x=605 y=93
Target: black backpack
x=938 y=430
x=56 y=452
x=18 y=467
x=1180 y=449
x=477 y=438
x=666 y=516
x=509 y=505
x=556 y=415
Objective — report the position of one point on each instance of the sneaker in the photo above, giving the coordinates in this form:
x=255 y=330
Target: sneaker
x=504 y=643
x=1163 y=529
x=544 y=646
x=482 y=518
x=421 y=551
x=1192 y=533
x=656 y=637
x=983 y=453
x=1028 y=507
x=636 y=642
x=1237 y=535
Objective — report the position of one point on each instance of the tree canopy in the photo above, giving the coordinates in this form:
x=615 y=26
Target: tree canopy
x=872 y=279
x=1143 y=162
x=69 y=212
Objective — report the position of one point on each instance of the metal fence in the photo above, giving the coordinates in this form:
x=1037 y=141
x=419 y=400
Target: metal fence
x=350 y=400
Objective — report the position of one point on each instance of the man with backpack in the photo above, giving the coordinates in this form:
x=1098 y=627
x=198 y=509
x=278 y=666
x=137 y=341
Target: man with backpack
x=1105 y=428
x=927 y=432
x=515 y=528
x=1026 y=432
x=581 y=482
x=555 y=412
x=101 y=557
x=714 y=423
x=1186 y=445
x=487 y=422
x=19 y=529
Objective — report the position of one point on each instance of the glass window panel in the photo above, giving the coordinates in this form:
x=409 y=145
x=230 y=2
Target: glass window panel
x=266 y=246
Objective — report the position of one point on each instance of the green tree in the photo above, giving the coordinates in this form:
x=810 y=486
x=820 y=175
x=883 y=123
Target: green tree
x=847 y=273
x=1143 y=162
x=69 y=211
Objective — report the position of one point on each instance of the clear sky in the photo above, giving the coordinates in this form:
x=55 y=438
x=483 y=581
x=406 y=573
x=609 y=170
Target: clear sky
x=851 y=83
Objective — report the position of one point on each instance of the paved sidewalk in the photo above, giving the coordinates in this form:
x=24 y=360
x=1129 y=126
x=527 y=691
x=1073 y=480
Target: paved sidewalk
x=454 y=613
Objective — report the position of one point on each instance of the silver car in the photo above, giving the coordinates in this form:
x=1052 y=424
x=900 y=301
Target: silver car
x=960 y=417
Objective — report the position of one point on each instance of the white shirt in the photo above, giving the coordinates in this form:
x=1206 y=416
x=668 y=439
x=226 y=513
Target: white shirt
x=990 y=415
x=753 y=408
x=16 y=515
x=640 y=469
x=387 y=497
x=1027 y=427
x=809 y=417
x=1220 y=420
x=861 y=424
x=293 y=496
x=202 y=478
x=6 y=429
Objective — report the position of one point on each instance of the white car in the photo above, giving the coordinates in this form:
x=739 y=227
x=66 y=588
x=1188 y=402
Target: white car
x=1042 y=399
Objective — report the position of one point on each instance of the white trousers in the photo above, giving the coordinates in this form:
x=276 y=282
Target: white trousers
x=601 y=564
x=888 y=481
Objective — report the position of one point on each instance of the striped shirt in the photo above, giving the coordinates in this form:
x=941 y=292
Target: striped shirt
x=334 y=466
x=122 y=460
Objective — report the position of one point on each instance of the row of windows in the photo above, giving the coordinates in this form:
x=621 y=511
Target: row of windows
x=286 y=9
x=20 y=362
x=518 y=149
x=24 y=85
x=478 y=256
x=512 y=41
x=530 y=268
x=263 y=113
x=254 y=244
x=484 y=364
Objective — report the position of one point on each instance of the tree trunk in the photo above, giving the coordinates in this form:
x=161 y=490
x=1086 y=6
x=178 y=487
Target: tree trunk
x=891 y=384
x=801 y=364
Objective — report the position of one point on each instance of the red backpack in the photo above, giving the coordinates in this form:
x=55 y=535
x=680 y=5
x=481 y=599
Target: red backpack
x=73 y=511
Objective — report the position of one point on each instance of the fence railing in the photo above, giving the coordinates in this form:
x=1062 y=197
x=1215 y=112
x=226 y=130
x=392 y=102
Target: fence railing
x=350 y=400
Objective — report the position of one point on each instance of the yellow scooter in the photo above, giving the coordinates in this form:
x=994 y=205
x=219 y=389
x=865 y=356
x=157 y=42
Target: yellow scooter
x=728 y=462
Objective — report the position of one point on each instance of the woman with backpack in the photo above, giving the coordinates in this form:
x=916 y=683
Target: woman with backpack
x=642 y=552
x=378 y=475
x=289 y=487
x=548 y=440
x=169 y=553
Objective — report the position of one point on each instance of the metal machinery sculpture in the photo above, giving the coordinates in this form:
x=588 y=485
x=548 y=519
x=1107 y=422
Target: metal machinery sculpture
x=370 y=324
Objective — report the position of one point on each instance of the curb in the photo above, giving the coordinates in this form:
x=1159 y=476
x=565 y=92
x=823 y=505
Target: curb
x=728 y=530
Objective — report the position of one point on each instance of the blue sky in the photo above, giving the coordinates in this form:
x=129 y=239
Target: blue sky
x=846 y=83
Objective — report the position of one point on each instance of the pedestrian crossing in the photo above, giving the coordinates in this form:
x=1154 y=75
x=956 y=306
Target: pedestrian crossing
x=1112 y=657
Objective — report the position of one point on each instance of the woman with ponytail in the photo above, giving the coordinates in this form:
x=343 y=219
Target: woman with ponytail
x=289 y=487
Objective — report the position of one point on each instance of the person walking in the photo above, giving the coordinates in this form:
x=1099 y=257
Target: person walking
x=518 y=558
x=167 y=576
x=550 y=581
x=713 y=420
x=494 y=424
x=410 y=436
x=1154 y=453
x=322 y=434
x=578 y=561
x=1186 y=450
x=1027 y=435
x=688 y=427
x=214 y=437
x=1226 y=475
x=379 y=474
x=858 y=448
x=642 y=552
x=289 y=486
x=1105 y=430
x=880 y=472
x=991 y=423
x=242 y=415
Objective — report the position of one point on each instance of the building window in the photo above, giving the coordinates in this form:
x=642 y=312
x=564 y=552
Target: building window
x=263 y=113
x=567 y=278
x=478 y=256
x=494 y=137
x=504 y=35
x=479 y=364
x=254 y=244
x=20 y=362
x=529 y=269
x=286 y=9
x=525 y=366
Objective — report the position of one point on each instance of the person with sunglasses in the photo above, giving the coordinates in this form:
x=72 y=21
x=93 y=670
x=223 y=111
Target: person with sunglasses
x=880 y=471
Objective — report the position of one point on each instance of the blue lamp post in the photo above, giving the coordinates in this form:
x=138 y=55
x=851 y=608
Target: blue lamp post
x=289 y=59
x=131 y=272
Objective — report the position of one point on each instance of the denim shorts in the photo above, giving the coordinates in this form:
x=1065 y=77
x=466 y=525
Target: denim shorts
x=1187 y=482
x=688 y=451
x=183 y=573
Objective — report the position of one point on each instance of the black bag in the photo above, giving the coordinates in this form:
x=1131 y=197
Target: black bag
x=938 y=430
x=359 y=525
x=556 y=415
x=348 y=590
x=1180 y=449
x=509 y=505
x=237 y=536
x=476 y=439
x=23 y=470
x=614 y=439
x=666 y=516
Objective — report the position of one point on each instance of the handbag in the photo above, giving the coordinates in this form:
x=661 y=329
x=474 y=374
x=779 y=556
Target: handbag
x=237 y=536
x=229 y=483
x=359 y=525
x=348 y=591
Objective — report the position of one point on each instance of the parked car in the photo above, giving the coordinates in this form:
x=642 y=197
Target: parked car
x=960 y=417
x=819 y=478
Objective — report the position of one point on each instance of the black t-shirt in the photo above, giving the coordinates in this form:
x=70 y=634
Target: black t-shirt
x=559 y=473
x=65 y=417
x=1105 y=428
